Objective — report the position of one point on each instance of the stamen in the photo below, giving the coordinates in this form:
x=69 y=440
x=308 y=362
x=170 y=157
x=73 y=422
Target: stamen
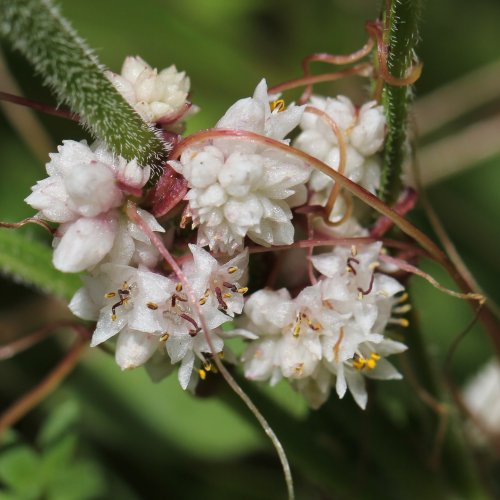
x=242 y=290
x=218 y=294
x=110 y=295
x=232 y=269
x=178 y=287
x=402 y=309
x=299 y=369
x=152 y=306
x=350 y=268
x=164 y=337
x=403 y=298
x=336 y=347
x=370 y=286
x=227 y=295
x=279 y=104
x=202 y=301
x=202 y=374
x=207 y=365
x=354 y=250
x=230 y=286
x=399 y=321
x=196 y=330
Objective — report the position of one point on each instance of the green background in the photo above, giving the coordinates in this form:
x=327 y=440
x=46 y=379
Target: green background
x=141 y=440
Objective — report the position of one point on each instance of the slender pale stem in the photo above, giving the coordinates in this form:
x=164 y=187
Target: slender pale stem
x=194 y=303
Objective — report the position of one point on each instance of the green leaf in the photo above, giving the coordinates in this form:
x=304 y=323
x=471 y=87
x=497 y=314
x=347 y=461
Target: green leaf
x=30 y=262
x=59 y=423
x=20 y=470
x=72 y=70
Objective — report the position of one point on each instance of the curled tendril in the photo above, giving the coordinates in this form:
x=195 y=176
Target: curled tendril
x=375 y=29
x=29 y=220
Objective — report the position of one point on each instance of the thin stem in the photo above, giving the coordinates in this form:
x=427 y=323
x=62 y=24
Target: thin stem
x=11 y=349
x=37 y=29
x=24 y=405
x=364 y=69
x=44 y=108
x=352 y=187
x=194 y=303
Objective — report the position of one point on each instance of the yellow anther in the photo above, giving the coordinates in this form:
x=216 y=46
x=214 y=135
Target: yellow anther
x=178 y=287
x=299 y=368
x=279 y=104
x=373 y=265
x=360 y=296
x=207 y=366
x=314 y=326
x=113 y=317
x=375 y=356
x=202 y=301
x=371 y=364
x=226 y=296
x=110 y=295
x=243 y=289
x=232 y=269
x=152 y=306
x=403 y=322
x=221 y=355
x=402 y=309
x=164 y=337
x=403 y=298
x=354 y=250
x=207 y=293
x=296 y=329
x=202 y=374
x=359 y=363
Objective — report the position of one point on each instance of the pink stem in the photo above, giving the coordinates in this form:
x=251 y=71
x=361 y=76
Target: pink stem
x=156 y=241
x=364 y=195
x=44 y=108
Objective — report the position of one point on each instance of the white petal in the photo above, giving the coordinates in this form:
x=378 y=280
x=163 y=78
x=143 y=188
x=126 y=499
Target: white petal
x=84 y=243
x=186 y=370
x=83 y=306
x=134 y=348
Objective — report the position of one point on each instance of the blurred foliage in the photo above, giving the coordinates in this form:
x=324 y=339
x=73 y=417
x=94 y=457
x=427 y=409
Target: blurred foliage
x=107 y=434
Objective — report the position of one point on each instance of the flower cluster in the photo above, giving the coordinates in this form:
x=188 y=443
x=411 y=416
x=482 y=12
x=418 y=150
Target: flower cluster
x=245 y=190
x=331 y=333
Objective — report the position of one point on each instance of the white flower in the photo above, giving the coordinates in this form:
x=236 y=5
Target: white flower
x=85 y=187
x=156 y=96
x=220 y=296
x=129 y=302
x=243 y=189
x=482 y=397
x=331 y=334
x=363 y=131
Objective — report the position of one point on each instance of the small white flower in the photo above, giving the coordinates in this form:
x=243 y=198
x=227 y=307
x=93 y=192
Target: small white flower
x=482 y=397
x=242 y=189
x=156 y=96
x=331 y=334
x=129 y=302
x=85 y=187
x=363 y=131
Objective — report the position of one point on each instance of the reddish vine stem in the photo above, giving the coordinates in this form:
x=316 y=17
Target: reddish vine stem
x=31 y=399
x=44 y=108
x=364 y=195
x=29 y=220
x=373 y=201
x=333 y=59
x=364 y=69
